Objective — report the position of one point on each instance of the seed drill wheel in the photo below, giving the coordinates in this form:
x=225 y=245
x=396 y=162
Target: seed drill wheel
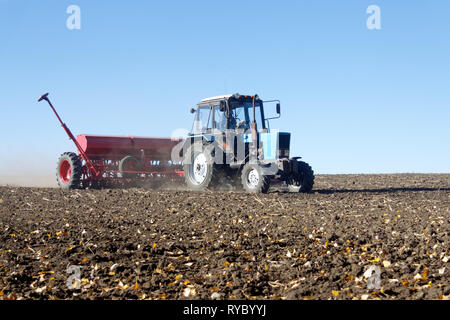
x=253 y=180
x=129 y=163
x=303 y=181
x=68 y=171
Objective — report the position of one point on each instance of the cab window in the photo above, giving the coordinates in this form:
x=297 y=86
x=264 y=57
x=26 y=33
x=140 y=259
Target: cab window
x=203 y=119
x=220 y=120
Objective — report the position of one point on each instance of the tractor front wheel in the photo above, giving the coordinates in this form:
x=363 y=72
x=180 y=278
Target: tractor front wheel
x=68 y=171
x=253 y=180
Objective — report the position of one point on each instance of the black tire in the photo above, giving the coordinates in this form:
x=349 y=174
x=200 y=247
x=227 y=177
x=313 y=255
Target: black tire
x=261 y=183
x=126 y=163
x=69 y=171
x=210 y=170
x=303 y=181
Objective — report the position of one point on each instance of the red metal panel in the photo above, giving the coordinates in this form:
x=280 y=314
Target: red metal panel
x=113 y=147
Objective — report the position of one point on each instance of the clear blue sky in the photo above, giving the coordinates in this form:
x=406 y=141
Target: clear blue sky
x=355 y=100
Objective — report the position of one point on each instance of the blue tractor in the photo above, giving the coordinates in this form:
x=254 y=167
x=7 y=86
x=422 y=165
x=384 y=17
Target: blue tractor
x=231 y=143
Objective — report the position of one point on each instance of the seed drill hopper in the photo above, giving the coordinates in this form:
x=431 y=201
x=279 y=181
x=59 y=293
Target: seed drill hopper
x=106 y=161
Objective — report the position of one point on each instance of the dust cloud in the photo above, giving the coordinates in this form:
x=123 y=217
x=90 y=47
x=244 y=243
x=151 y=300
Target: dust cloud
x=28 y=181
x=28 y=170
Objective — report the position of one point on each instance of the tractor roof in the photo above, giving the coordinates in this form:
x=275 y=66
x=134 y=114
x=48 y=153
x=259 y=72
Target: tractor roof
x=217 y=98
x=225 y=97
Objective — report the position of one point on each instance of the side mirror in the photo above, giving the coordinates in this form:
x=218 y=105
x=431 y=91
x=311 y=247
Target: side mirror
x=278 y=108
x=192 y=110
x=222 y=106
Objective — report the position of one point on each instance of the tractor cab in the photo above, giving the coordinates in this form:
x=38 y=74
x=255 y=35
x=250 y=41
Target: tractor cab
x=229 y=112
x=240 y=120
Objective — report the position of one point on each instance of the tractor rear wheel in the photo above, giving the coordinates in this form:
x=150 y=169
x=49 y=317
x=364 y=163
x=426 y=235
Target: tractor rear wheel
x=198 y=165
x=303 y=180
x=68 y=171
x=253 y=180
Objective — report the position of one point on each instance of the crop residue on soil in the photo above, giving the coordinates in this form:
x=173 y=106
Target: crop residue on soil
x=153 y=244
